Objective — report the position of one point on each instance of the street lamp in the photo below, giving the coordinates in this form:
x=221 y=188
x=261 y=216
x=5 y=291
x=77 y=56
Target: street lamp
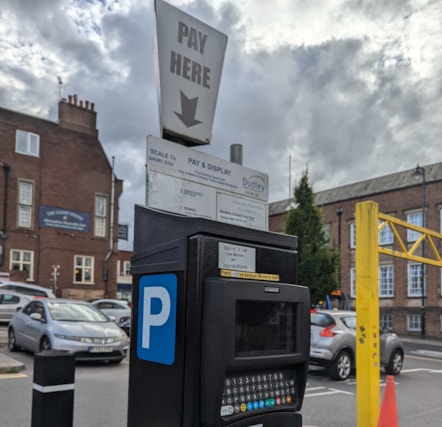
x=339 y=213
x=420 y=172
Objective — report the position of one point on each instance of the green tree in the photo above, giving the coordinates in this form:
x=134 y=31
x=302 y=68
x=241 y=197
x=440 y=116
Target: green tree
x=318 y=263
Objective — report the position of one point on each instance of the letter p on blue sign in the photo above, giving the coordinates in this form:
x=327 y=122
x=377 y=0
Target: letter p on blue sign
x=157 y=318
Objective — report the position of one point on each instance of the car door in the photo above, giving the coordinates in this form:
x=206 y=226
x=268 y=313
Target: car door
x=33 y=329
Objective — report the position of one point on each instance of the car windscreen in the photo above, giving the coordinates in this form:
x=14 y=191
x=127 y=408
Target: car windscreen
x=321 y=319
x=73 y=312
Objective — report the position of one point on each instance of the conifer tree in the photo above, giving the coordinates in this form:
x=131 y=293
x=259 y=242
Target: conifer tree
x=318 y=263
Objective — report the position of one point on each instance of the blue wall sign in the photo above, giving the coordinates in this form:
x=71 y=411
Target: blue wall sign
x=157 y=304
x=64 y=218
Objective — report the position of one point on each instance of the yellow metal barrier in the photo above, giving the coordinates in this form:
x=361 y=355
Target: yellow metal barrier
x=367 y=298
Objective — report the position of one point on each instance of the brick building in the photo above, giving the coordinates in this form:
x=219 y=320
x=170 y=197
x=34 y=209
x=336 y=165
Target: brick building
x=58 y=202
x=400 y=281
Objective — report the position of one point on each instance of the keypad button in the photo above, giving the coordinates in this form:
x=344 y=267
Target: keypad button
x=257 y=391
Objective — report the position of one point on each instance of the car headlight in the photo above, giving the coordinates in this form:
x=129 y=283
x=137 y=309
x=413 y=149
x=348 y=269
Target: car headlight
x=92 y=340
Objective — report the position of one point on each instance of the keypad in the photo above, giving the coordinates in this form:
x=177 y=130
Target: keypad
x=257 y=391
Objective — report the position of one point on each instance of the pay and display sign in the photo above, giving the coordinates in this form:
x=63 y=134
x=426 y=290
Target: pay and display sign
x=157 y=306
x=190 y=56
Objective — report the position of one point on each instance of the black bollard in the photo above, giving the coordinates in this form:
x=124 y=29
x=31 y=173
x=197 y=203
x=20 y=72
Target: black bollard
x=53 y=389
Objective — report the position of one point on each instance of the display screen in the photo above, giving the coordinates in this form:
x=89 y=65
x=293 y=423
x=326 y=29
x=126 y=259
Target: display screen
x=264 y=328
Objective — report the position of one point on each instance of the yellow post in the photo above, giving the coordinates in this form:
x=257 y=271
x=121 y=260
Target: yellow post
x=367 y=311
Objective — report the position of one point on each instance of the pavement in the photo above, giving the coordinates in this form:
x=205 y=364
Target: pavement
x=8 y=365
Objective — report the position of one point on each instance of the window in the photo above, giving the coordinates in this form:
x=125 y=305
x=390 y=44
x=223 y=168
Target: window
x=27 y=143
x=385 y=235
x=414 y=322
x=84 y=269
x=352 y=282
x=415 y=278
x=415 y=219
x=22 y=261
x=126 y=268
x=25 y=203
x=386 y=321
x=353 y=235
x=386 y=281
x=100 y=215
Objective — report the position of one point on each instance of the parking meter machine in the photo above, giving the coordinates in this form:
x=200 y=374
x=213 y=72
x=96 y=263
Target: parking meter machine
x=220 y=329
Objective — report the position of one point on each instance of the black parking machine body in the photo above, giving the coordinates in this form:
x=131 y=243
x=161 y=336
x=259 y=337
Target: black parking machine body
x=220 y=329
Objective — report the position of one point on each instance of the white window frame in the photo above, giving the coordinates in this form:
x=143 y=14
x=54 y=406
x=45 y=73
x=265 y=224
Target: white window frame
x=386 y=321
x=386 y=281
x=352 y=235
x=126 y=268
x=353 y=282
x=386 y=236
x=81 y=264
x=414 y=322
x=22 y=258
x=27 y=143
x=414 y=280
x=100 y=215
x=25 y=201
x=415 y=218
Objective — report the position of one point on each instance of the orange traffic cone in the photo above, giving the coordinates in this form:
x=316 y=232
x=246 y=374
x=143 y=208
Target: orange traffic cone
x=388 y=415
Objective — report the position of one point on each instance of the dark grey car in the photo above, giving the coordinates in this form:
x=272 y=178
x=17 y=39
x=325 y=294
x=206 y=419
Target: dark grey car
x=333 y=344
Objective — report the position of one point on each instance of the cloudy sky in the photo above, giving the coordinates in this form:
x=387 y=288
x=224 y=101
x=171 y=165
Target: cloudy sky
x=351 y=88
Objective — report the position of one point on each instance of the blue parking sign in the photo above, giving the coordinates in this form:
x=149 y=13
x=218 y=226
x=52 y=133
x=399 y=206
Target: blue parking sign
x=157 y=318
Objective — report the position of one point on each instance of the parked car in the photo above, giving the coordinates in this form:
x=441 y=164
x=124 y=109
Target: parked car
x=27 y=289
x=10 y=303
x=125 y=323
x=113 y=307
x=69 y=325
x=333 y=344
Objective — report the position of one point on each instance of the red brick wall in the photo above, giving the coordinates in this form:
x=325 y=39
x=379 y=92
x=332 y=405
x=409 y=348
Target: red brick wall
x=71 y=169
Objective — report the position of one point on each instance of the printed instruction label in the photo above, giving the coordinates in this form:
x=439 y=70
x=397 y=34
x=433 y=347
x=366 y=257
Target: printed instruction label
x=236 y=257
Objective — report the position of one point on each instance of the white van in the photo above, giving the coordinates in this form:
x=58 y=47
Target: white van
x=27 y=289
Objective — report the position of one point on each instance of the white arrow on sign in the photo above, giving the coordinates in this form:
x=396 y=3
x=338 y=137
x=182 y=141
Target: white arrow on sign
x=190 y=57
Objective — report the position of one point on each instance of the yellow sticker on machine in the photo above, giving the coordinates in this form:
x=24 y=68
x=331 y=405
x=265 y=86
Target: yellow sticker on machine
x=250 y=275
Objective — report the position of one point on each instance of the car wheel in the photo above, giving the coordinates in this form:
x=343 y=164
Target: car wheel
x=394 y=366
x=45 y=344
x=341 y=368
x=12 y=344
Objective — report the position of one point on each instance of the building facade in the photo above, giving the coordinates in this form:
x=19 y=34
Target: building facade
x=58 y=202
x=401 y=195
x=124 y=278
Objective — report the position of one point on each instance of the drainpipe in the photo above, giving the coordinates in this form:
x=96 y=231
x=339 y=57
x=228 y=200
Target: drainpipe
x=111 y=233
x=3 y=235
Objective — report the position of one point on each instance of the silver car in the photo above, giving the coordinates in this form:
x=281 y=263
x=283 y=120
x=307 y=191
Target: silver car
x=74 y=326
x=333 y=344
x=113 y=307
x=10 y=303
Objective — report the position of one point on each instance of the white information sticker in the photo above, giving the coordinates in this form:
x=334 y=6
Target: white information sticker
x=236 y=257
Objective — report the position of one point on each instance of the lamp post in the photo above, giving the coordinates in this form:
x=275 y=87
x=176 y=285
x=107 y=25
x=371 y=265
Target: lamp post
x=339 y=213
x=420 y=172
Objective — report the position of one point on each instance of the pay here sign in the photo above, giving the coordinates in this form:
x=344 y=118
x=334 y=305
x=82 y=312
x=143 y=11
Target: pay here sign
x=190 y=56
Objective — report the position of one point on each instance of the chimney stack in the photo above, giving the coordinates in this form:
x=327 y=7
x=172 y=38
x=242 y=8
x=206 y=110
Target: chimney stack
x=73 y=115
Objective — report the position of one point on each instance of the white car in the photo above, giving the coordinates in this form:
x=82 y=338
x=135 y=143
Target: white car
x=27 y=289
x=68 y=325
x=113 y=307
x=10 y=303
